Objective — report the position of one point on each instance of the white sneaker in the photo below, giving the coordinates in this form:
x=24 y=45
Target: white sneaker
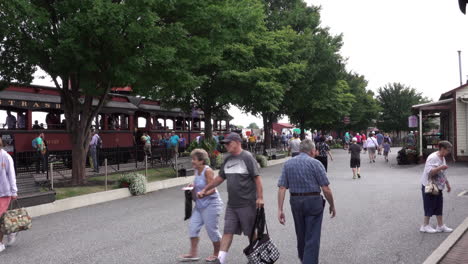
x=427 y=229
x=11 y=239
x=2 y=247
x=444 y=229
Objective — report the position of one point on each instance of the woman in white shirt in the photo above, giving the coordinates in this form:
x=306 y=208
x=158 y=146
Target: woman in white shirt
x=372 y=146
x=434 y=171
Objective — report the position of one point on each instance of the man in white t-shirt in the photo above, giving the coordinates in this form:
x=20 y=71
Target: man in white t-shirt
x=294 y=145
x=434 y=171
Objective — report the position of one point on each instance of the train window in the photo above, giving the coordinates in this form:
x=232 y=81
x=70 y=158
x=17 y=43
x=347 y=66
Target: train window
x=141 y=122
x=223 y=125
x=9 y=123
x=202 y=125
x=159 y=123
x=169 y=124
x=39 y=120
x=117 y=122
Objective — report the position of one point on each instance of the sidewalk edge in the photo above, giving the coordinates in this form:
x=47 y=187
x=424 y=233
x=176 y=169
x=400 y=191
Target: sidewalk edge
x=107 y=196
x=448 y=243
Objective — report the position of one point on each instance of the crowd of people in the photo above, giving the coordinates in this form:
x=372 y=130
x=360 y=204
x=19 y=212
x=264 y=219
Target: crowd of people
x=304 y=175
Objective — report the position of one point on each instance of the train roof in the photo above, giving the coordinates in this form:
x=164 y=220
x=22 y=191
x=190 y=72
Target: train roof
x=47 y=98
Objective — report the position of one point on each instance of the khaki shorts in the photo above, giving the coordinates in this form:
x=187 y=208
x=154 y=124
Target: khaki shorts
x=240 y=220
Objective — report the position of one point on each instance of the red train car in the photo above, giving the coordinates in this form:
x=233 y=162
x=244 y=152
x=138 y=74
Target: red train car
x=38 y=109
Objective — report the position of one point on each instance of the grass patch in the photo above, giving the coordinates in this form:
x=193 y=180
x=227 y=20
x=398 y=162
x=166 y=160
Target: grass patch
x=67 y=192
x=96 y=184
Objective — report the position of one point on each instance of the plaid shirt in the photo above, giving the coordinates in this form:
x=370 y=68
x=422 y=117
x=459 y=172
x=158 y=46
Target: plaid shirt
x=303 y=174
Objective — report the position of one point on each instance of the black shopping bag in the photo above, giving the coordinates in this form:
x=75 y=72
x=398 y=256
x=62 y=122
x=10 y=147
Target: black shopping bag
x=261 y=250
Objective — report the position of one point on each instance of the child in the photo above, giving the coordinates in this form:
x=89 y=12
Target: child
x=386 y=147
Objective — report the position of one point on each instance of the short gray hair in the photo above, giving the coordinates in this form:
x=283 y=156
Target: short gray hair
x=307 y=146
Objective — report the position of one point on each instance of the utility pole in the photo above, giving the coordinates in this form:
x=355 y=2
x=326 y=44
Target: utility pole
x=460 y=67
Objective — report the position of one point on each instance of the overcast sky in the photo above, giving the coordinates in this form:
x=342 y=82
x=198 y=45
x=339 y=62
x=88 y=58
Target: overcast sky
x=414 y=42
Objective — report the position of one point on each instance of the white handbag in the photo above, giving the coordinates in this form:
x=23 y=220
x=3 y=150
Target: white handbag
x=431 y=188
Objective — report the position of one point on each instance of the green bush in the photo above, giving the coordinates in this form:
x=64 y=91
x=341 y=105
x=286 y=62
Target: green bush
x=336 y=146
x=135 y=182
x=263 y=160
x=219 y=161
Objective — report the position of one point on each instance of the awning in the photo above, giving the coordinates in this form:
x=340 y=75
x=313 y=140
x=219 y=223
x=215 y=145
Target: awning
x=439 y=105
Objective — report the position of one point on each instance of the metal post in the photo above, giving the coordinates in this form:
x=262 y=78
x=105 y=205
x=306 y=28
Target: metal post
x=460 y=67
x=176 y=168
x=420 y=133
x=52 y=175
x=146 y=166
x=105 y=171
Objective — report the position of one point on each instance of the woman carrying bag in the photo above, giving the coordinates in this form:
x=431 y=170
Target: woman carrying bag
x=8 y=190
x=207 y=209
x=433 y=183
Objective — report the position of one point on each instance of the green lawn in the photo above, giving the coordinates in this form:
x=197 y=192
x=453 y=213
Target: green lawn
x=153 y=175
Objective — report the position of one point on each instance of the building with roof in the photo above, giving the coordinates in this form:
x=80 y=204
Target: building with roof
x=452 y=109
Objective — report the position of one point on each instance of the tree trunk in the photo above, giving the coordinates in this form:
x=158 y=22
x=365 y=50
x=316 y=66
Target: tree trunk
x=208 y=126
x=79 y=160
x=267 y=126
x=302 y=126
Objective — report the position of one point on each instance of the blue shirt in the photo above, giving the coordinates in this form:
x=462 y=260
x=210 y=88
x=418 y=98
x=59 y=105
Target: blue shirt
x=303 y=174
x=380 y=138
x=174 y=140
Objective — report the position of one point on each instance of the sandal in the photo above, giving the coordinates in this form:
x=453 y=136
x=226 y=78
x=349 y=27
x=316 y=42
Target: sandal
x=188 y=258
x=212 y=259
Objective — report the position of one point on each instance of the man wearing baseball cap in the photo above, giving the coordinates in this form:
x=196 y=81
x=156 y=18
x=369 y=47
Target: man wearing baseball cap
x=245 y=191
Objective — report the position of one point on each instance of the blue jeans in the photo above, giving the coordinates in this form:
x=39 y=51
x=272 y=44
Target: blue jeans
x=94 y=156
x=308 y=213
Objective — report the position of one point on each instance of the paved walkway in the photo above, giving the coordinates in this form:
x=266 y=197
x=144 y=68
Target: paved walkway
x=378 y=220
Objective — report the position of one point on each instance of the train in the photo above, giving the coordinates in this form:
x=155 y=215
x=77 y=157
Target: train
x=123 y=118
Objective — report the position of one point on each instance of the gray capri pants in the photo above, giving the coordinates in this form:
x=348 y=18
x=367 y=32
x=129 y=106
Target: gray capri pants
x=209 y=217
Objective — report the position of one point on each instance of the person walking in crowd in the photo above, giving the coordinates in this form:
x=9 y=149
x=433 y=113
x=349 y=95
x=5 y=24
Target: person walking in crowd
x=435 y=172
x=252 y=142
x=304 y=177
x=386 y=148
x=347 y=140
x=8 y=190
x=245 y=192
x=355 y=162
x=10 y=121
x=21 y=120
x=207 y=209
x=380 y=139
x=284 y=142
x=94 y=146
x=359 y=139
x=174 y=143
x=364 y=142
x=293 y=149
x=182 y=143
x=323 y=152
x=146 y=140
x=39 y=147
x=372 y=146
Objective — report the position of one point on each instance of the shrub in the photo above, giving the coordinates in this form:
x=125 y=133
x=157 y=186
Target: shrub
x=219 y=161
x=135 y=182
x=262 y=160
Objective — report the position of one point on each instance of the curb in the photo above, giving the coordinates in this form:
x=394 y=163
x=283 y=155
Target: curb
x=107 y=196
x=448 y=243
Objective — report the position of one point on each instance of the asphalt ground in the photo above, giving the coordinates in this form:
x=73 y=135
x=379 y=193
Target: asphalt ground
x=378 y=220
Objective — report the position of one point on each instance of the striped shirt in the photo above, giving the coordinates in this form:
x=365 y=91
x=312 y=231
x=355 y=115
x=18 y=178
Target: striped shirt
x=303 y=174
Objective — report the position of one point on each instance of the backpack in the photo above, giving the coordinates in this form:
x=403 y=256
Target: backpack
x=34 y=144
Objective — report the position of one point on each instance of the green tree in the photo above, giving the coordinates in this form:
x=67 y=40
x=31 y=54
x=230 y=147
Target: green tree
x=252 y=126
x=365 y=109
x=87 y=47
x=396 y=100
x=273 y=72
x=220 y=36
x=318 y=99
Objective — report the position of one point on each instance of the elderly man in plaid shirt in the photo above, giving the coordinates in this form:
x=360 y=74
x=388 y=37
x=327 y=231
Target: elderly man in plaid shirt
x=304 y=176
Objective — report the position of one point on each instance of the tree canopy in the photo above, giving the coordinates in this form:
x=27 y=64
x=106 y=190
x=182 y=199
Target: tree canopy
x=87 y=47
x=396 y=100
